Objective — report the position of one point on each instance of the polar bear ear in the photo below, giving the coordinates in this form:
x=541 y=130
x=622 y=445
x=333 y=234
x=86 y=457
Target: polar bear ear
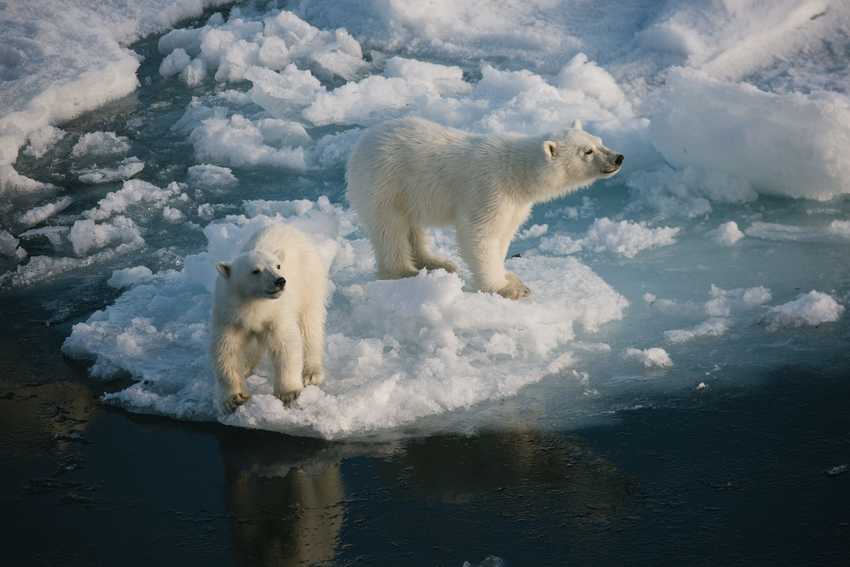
x=550 y=148
x=577 y=125
x=223 y=269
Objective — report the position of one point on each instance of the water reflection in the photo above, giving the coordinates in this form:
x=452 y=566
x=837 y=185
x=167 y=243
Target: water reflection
x=519 y=472
x=294 y=502
x=286 y=496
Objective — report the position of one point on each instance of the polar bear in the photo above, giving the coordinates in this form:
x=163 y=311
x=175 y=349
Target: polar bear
x=270 y=299
x=408 y=174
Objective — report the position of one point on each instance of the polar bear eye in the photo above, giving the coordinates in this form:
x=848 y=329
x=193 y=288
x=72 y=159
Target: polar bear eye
x=278 y=266
x=588 y=151
x=257 y=271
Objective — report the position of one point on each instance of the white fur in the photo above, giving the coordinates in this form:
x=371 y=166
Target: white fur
x=408 y=174
x=252 y=316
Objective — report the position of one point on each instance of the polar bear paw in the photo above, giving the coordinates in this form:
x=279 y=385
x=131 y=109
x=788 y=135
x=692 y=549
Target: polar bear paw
x=233 y=401
x=514 y=289
x=312 y=376
x=288 y=398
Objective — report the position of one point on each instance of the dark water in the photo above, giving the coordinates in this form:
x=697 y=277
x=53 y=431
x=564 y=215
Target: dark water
x=735 y=477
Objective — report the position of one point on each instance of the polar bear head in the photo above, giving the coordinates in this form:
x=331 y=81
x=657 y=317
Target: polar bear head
x=580 y=157
x=255 y=274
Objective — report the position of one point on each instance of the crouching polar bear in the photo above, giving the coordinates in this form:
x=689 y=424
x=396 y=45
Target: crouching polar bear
x=408 y=174
x=270 y=299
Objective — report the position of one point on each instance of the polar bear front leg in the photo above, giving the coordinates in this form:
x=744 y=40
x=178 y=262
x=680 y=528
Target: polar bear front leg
x=483 y=248
x=234 y=358
x=480 y=250
x=287 y=355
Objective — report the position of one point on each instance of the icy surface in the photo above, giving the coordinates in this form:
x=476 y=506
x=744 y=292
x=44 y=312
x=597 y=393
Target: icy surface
x=397 y=350
x=60 y=59
x=38 y=215
x=624 y=238
x=100 y=144
x=654 y=357
x=41 y=140
x=211 y=176
x=733 y=117
x=728 y=233
x=124 y=169
x=708 y=123
x=129 y=277
x=808 y=310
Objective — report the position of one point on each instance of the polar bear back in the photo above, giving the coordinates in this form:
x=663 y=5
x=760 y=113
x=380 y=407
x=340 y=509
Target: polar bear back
x=426 y=170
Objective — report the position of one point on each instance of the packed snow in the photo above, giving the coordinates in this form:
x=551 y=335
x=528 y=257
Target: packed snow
x=129 y=277
x=623 y=238
x=60 y=60
x=734 y=118
x=124 y=169
x=38 y=215
x=398 y=350
x=809 y=309
x=100 y=144
x=654 y=357
x=728 y=233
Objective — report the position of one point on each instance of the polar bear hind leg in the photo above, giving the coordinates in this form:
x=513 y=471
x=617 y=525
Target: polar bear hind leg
x=313 y=333
x=422 y=257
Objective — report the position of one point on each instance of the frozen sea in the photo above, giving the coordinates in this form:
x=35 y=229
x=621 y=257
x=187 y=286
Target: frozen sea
x=674 y=391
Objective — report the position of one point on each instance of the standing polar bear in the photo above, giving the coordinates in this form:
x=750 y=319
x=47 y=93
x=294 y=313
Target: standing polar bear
x=408 y=174
x=270 y=299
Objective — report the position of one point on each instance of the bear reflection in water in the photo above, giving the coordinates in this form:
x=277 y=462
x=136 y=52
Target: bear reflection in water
x=290 y=498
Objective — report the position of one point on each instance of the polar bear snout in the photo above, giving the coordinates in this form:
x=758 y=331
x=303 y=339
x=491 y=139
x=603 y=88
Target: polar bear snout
x=277 y=285
x=614 y=164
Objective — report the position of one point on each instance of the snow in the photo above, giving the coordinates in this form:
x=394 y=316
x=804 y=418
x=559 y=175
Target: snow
x=207 y=175
x=54 y=234
x=132 y=192
x=534 y=231
x=100 y=144
x=8 y=244
x=713 y=327
x=723 y=301
x=42 y=140
x=807 y=310
x=122 y=170
x=60 y=60
x=238 y=142
x=38 y=215
x=627 y=238
x=86 y=235
x=779 y=232
x=172 y=215
x=623 y=238
x=176 y=61
x=654 y=357
x=740 y=130
x=397 y=350
x=727 y=234
x=128 y=277
x=840 y=228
